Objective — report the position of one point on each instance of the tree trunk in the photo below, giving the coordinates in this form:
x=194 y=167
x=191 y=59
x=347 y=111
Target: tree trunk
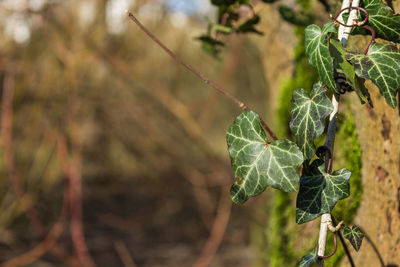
x=379 y=214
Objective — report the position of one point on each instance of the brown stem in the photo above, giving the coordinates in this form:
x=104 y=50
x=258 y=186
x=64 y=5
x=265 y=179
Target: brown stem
x=74 y=171
x=217 y=232
x=239 y=103
x=124 y=254
x=372 y=38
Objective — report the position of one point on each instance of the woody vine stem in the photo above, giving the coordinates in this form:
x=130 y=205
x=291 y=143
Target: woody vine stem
x=343 y=35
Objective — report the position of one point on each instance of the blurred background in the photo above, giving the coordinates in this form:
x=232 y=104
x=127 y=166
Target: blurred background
x=97 y=109
x=114 y=155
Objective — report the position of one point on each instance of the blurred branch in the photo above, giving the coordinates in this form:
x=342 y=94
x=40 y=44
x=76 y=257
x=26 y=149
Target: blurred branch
x=123 y=253
x=217 y=232
x=7 y=141
x=74 y=172
x=50 y=241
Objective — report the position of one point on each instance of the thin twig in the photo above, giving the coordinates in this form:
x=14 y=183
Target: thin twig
x=124 y=254
x=217 y=232
x=239 y=103
x=76 y=226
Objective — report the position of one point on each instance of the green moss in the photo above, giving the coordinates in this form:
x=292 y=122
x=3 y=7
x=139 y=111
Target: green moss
x=304 y=76
x=279 y=233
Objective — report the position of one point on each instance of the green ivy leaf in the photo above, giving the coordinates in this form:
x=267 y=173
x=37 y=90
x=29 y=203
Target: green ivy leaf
x=316 y=46
x=210 y=45
x=310 y=258
x=308 y=115
x=341 y=65
x=320 y=191
x=223 y=2
x=382 y=67
x=354 y=235
x=222 y=29
x=382 y=20
x=257 y=164
x=296 y=18
x=248 y=26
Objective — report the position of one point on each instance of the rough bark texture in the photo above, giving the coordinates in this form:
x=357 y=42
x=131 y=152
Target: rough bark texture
x=379 y=214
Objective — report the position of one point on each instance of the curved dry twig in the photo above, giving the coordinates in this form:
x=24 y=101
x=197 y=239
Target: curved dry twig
x=217 y=231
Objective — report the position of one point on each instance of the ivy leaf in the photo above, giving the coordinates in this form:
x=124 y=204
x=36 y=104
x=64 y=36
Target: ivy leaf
x=316 y=46
x=257 y=164
x=296 y=18
x=222 y=29
x=382 y=20
x=344 y=67
x=223 y=2
x=248 y=26
x=320 y=191
x=310 y=258
x=308 y=115
x=354 y=235
x=382 y=67
x=210 y=45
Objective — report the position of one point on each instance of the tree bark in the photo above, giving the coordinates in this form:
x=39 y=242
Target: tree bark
x=379 y=214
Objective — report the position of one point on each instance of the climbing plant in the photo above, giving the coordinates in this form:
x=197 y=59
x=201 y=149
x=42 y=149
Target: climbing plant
x=259 y=158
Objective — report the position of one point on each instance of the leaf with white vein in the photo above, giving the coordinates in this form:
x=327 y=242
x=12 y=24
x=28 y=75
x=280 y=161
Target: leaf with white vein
x=381 y=18
x=354 y=235
x=317 y=50
x=256 y=163
x=320 y=191
x=307 y=117
x=310 y=258
x=382 y=67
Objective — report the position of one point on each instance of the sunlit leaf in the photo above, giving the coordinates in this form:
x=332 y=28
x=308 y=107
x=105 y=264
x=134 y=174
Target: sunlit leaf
x=256 y=163
x=307 y=117
x=354 y=235
x=381 y=19
x=317 y=50
x=320 y=191
x=382 y=67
